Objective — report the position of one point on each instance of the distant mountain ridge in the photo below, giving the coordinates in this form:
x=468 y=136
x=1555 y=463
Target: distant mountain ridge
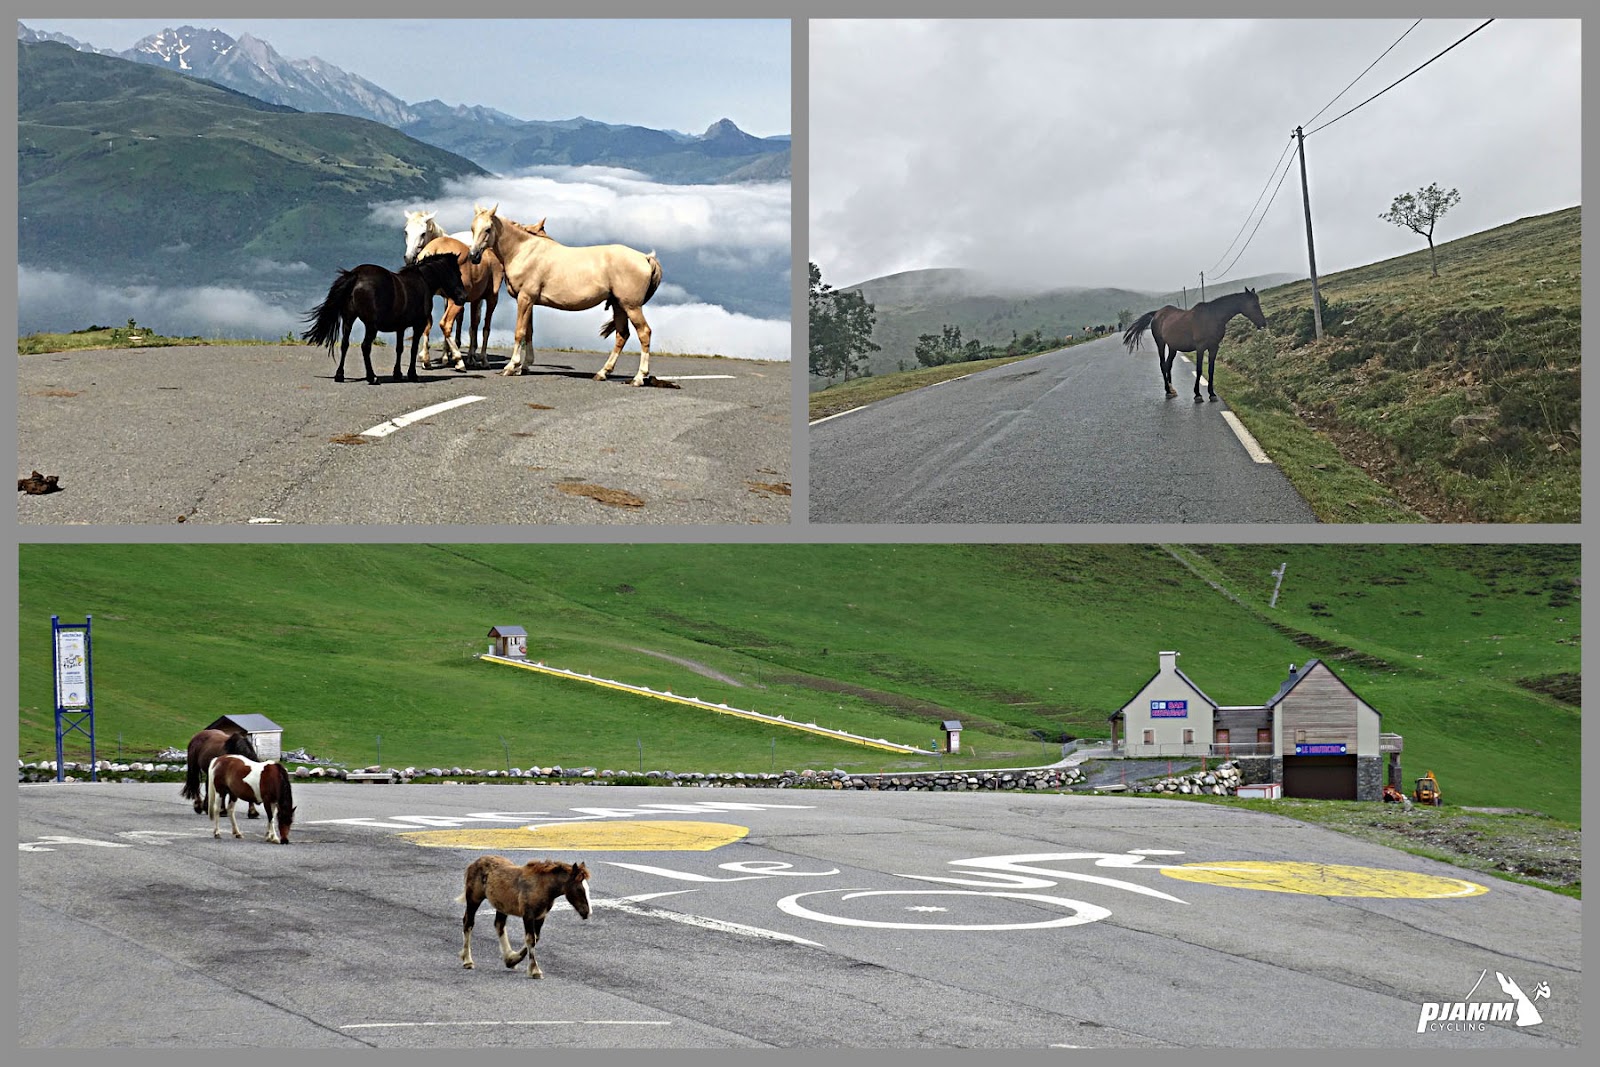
x=912 y=303
x=488 y=137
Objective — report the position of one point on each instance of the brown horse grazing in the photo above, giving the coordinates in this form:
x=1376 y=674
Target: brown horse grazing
x=383 y=300
x=542 y=271
x=425 y=237
x=234 y=778
x=204 y=747
x=1197 y=330
x=529 y=891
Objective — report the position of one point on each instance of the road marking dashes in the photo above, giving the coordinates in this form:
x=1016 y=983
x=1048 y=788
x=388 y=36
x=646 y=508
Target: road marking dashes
x=384 y=429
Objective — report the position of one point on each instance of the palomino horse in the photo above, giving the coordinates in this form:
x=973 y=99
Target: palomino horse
x=234 y=778
x=424 y=237
x=204 y=747
x=383 y=300
x=529 y=891
x=1197 y=330
x=542 y=271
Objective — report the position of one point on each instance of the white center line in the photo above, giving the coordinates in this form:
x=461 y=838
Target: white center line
x=515 y=1022
x=384 y=429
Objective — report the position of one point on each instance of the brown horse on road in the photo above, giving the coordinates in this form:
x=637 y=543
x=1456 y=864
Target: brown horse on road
x=204 y=747
x=529 y=891
x=1197 y=330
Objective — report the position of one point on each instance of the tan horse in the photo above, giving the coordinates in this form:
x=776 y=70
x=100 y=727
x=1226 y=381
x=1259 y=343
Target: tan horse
x=542 y=271
x=424 y=237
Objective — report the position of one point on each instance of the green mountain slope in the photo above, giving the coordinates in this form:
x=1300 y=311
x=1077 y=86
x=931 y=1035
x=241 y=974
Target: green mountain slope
x=1471 y=652
x=1461 y=395
x=130 y=170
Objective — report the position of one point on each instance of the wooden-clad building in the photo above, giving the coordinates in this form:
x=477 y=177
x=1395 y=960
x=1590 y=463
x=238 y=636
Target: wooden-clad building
x=1316 y=736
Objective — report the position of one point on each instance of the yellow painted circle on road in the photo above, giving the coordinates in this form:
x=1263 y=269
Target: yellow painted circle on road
x=1324 y=879
x=642 y=836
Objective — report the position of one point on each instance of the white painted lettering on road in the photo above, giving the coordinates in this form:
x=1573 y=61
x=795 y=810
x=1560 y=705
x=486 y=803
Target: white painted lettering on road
x=631 y=906
x=42 y=845
x=384 y=429
x=1081 y=912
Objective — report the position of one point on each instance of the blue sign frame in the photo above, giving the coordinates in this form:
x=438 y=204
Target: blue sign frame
x=1324 y=749
x=76 y=714
x=1169 y=709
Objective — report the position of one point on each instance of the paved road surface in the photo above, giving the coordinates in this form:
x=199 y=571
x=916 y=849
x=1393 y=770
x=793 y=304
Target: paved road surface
x=234 y=434
x=754 y=918
x=1085 y=434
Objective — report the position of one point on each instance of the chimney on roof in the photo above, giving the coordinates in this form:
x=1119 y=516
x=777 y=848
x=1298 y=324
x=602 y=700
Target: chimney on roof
x=1169 y=662
x=1291 y=670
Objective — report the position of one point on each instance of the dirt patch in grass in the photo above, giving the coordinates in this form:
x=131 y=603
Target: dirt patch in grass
x=1567 y=688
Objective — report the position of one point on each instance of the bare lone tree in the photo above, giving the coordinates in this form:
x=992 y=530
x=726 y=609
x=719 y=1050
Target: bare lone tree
x=1419 y=211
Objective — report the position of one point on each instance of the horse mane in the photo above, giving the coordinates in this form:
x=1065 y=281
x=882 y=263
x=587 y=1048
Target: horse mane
x=240 y=745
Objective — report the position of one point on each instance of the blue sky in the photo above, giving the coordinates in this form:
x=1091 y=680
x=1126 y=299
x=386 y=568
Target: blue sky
x=665 y=74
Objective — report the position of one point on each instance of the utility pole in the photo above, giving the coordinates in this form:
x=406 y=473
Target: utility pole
x=1311 y=247
x=1202 y=287
x=1186 y=296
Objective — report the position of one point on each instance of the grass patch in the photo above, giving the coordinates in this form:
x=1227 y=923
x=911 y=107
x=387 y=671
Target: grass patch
x=847 y=395
x=1028 y=645
x=1449 y=399
x=130 y=336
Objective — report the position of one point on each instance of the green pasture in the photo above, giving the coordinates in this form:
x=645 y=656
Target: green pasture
x=1471 y=652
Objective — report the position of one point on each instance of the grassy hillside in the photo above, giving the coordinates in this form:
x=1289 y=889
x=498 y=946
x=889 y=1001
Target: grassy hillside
x=1454 y=398
x=125 y=168
x=1470 y=652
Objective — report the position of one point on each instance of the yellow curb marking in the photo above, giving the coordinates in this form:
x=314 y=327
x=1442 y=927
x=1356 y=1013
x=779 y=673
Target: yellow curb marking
x=644 y=836
x=1324 y=879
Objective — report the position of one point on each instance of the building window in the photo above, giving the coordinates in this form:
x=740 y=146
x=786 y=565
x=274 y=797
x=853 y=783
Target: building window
x=1149 y=737
x=1188 y=737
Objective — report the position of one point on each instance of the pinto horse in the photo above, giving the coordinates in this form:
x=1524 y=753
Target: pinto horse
x=204 y=747
x=234 y=778
x=1197 y=330
x=425 y=237
x=383 y=300
x=529 y=891
x=542 y=271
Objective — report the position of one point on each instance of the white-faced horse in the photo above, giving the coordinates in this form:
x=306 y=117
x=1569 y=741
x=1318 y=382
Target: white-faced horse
x=425 y=237
x=233 y=778
x=529 y=891
x=542 y=271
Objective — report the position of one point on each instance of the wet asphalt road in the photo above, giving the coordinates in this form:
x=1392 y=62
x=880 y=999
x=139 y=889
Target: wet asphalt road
x=757 y=918
x=1085 y=434
x=239 y=434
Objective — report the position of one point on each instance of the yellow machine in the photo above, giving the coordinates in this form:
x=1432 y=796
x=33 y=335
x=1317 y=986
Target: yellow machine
x=1427 y=791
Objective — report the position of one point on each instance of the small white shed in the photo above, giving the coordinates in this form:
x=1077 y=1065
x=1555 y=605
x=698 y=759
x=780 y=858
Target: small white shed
x=265 y=735
x=509 y=641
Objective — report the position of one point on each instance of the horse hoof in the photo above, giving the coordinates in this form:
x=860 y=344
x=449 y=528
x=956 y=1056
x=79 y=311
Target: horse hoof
x=252 y=815
x=1197 y=399
x=467 y=966
x=536 y=974
x=1213 y=398
x=636 y=380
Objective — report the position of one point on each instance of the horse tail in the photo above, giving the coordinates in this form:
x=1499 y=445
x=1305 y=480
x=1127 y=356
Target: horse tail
x=325 y=318
x=191 y=779
x=613 y=322
x=1135 y=333
x=285 y=801
x=655 y=278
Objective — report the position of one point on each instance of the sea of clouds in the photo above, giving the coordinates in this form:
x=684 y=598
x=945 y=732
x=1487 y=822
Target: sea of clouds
x=708 y=237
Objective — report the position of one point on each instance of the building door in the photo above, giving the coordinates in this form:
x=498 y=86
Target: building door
x=1320 y=777
x=1264 y=736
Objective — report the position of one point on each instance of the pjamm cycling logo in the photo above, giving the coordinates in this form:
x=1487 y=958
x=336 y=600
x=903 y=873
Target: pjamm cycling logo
x=1468 y=1015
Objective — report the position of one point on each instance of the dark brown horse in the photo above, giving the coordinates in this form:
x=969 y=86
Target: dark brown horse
x=234 y=778
x=204 y=747
x=1197 y=330
x=384 y=300
x=529 y=891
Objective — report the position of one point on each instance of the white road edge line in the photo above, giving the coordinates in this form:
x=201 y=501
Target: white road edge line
x=835 y=415
x=1245 y=437
x=384 y=429
x=690 y=377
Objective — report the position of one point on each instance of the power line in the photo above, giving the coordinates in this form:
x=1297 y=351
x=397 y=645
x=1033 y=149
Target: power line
x=1252 y=211
x=1259 y=221
x=1363 y=74
x=1391 y=85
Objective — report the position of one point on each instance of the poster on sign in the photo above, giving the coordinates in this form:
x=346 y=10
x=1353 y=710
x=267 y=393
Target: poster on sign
x=1169 y=709
x=72 y=669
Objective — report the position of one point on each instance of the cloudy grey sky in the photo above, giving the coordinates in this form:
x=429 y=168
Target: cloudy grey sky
x=664 y=74
x=1130 y=153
